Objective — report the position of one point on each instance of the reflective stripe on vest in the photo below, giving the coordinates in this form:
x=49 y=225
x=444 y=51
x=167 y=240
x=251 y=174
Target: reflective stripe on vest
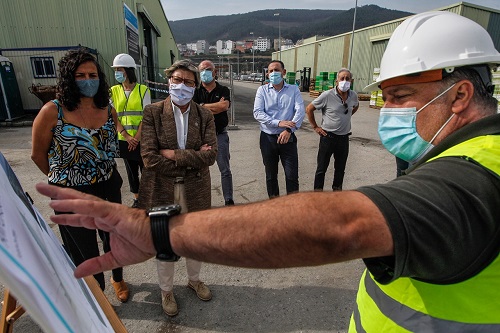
x=129 y=110
x=408 y=305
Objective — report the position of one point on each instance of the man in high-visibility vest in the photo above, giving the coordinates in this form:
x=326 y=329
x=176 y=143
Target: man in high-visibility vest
x=430 y=239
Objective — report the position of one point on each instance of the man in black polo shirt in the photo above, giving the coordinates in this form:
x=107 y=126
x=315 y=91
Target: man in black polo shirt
x=216 y=98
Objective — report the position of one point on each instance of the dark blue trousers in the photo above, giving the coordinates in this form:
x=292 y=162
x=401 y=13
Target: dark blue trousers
x=272 y=152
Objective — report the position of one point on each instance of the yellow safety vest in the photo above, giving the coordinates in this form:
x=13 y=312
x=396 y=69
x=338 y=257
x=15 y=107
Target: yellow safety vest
x=408 y=305
x=129 y=110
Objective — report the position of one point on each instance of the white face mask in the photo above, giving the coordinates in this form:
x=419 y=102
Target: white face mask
x=344 y=85
x=180 y=93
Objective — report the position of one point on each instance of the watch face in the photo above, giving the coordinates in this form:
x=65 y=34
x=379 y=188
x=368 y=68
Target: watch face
x=168 y=210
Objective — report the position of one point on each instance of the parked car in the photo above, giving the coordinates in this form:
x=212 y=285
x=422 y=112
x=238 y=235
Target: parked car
x=258 y=77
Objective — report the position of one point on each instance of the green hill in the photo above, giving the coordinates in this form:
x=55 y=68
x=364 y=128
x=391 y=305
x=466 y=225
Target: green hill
x=295 y=23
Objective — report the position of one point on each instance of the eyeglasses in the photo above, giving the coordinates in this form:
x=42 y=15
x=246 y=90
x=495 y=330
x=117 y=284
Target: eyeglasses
x=179 y=80
x=344 y=104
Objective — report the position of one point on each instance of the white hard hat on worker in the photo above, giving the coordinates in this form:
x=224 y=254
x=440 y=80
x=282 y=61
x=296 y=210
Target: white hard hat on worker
x=123 y=60
x=426 y=48
x=427 y=43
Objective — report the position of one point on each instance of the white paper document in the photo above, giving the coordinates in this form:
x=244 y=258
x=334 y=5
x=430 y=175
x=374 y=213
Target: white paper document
x=36 y=269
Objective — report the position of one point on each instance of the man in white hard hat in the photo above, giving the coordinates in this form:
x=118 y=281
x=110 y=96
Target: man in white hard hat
x=430 y=239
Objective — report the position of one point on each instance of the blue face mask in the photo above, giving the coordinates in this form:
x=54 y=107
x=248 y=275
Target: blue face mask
x=275 y=78
x=119 y=76
x=206 y=76
x=397 y=128
x=88 y=88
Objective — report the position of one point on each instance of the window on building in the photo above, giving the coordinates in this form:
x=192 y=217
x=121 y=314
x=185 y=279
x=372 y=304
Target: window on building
x=43 y=67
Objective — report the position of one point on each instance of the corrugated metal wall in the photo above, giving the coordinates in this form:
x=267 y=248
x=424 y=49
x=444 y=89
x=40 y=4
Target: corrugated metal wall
x=494 y=28
x=24 y=73
x=97 y=24
x=366 y=55
x=329 y=55
x=93 y=23
x=305 y=56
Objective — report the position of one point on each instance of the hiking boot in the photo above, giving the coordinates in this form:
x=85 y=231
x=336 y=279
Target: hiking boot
x=201 y=290
x=168 y=303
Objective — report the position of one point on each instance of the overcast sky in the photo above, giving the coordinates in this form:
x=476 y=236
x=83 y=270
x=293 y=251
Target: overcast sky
x=182 y=9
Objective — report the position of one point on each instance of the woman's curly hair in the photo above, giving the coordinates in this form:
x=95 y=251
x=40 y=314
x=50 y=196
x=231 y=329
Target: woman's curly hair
x=68 y=92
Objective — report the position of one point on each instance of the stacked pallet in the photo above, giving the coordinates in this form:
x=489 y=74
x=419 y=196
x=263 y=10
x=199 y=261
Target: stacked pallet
x=376 y=101
x=290 y=77
x=364 y=97
x=496 y=83
x=314 y=94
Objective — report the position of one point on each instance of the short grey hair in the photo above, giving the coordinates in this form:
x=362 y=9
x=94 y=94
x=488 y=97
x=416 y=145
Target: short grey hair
x=344 y=70
x=187 y=65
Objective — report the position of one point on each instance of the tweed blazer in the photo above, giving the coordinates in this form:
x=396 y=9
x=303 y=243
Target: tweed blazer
x=159 y=173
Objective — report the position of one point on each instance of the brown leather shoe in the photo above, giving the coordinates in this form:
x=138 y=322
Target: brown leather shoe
x=121 y=290
x=168 y=303
x=201 y=290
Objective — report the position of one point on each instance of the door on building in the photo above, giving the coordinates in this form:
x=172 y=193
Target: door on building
x=377 y=51
x=10 y=99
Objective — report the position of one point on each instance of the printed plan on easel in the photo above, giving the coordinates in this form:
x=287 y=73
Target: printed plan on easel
x=36 y=269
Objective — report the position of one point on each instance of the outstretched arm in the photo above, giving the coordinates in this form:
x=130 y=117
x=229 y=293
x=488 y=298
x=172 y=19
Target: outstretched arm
x=129 y=228
x=303 y=229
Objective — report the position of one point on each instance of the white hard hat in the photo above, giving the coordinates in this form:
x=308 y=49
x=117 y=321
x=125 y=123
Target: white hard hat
x=123 y=60
x=435 y=40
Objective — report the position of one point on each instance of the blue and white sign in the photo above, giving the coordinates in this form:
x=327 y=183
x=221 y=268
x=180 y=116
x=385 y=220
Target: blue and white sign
x=132 y=31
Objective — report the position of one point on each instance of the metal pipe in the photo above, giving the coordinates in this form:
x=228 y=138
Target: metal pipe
x=352 y=36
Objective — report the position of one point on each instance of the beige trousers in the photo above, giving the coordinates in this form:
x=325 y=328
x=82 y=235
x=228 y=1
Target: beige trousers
x=166 y=270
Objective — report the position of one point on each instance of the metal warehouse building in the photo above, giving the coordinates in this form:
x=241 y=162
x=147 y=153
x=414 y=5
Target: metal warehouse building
x=36 y=34
x=368 y=44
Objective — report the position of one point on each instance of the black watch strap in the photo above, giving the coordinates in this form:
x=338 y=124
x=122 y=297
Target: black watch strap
x=161 y=237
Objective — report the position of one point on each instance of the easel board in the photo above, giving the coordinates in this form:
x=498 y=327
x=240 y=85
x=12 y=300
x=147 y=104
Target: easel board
x=38 y=273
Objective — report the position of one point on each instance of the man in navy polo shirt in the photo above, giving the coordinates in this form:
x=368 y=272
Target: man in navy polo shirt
x=216 y=97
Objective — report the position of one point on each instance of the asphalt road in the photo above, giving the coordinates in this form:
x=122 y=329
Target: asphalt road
x=311 y=299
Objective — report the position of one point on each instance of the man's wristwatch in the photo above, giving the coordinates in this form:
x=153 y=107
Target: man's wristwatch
x=159 y=218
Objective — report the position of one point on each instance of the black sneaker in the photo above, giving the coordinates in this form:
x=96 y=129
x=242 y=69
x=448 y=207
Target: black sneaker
x=135 y=204
x=229 y=202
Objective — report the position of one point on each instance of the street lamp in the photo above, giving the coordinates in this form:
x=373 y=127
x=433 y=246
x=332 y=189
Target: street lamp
x=279 y=33
x=253 y=53
x=352 y=36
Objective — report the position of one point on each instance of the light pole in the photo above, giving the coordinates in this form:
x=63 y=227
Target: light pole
x=238 y=68
x=253 y=53
x=352 y=36
x=279 y=33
